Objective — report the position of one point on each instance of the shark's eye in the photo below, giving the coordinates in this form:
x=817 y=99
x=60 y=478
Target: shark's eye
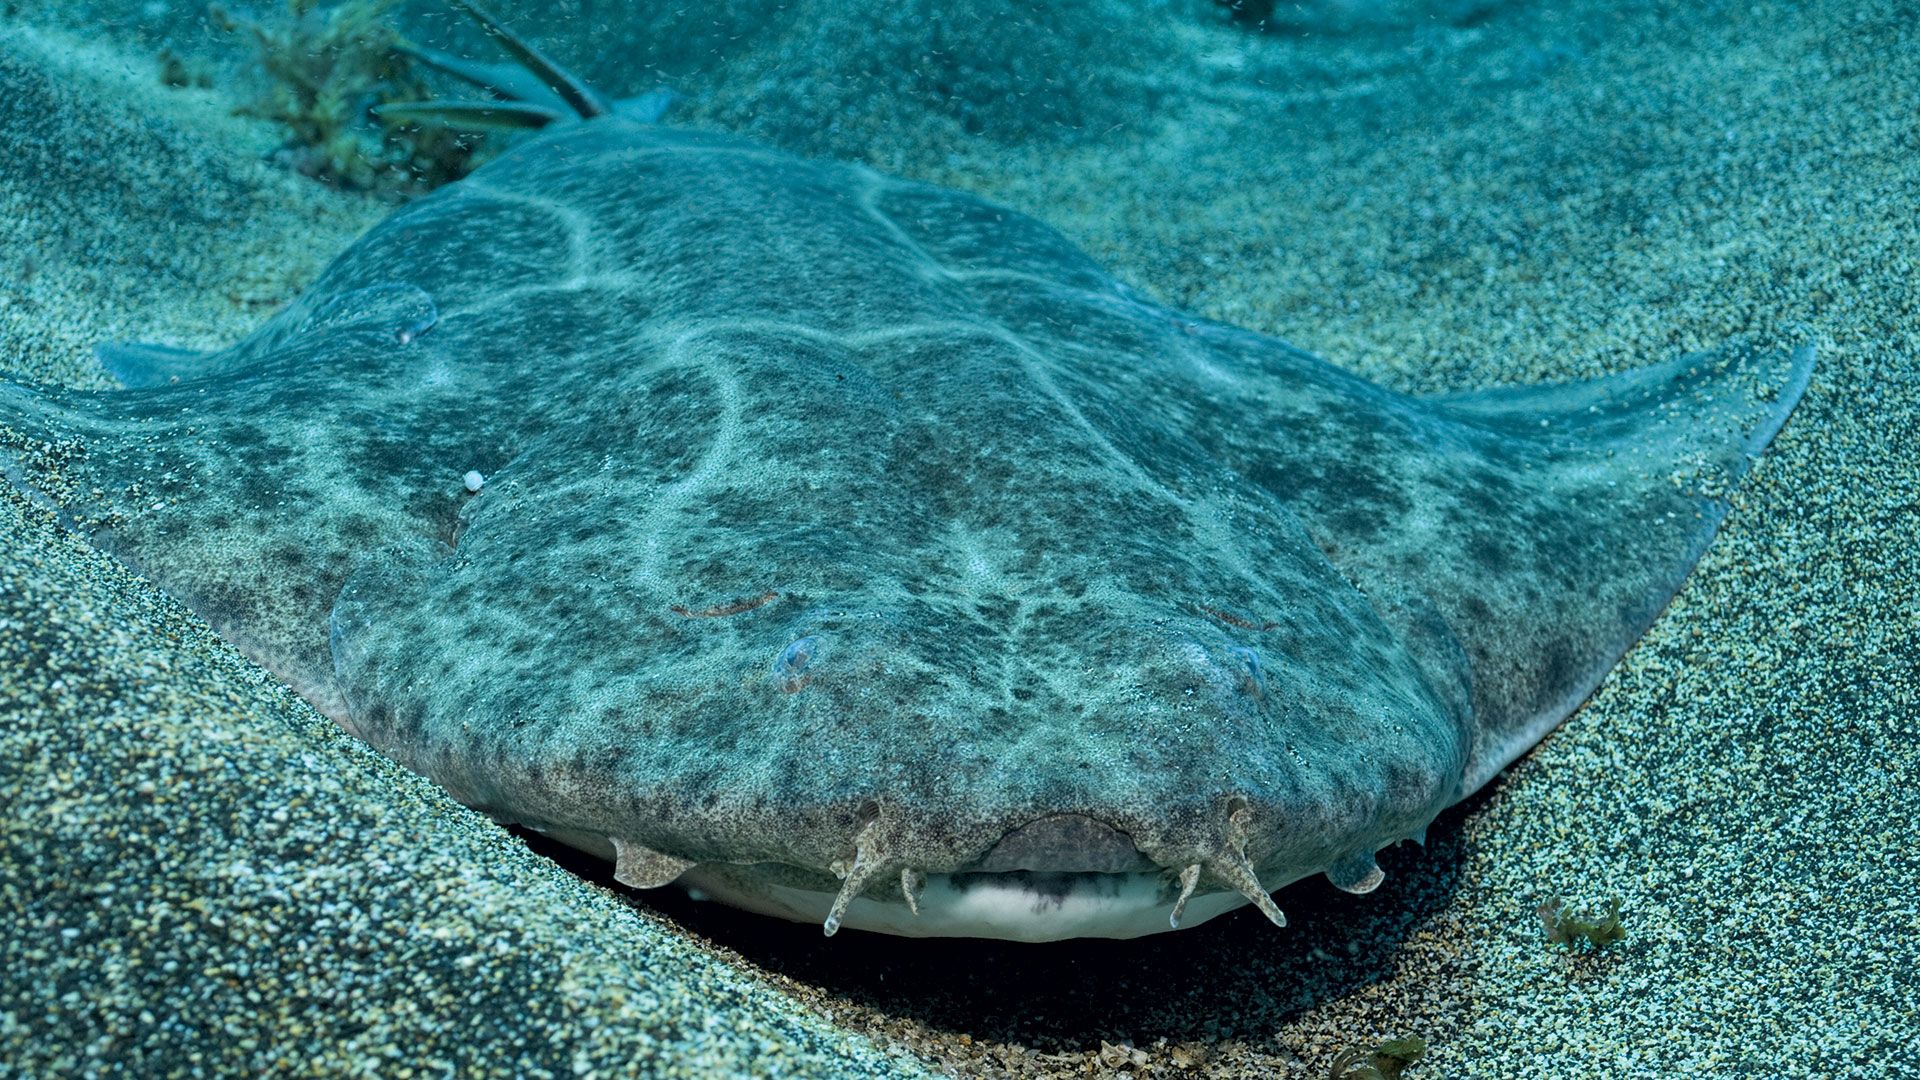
x=1255 y=682
x=794 y=660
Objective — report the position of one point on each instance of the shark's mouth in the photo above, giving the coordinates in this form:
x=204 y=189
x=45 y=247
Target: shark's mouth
x=1059 y=876
x=1018 y=905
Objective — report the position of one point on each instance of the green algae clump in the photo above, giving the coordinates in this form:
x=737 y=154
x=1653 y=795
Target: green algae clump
x=180 y=73
x=1565 y=928
x=1384 y=1062
x=328 y=70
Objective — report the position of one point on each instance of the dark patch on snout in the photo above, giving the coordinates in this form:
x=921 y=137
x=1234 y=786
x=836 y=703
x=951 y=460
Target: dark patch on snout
x=1066 y=843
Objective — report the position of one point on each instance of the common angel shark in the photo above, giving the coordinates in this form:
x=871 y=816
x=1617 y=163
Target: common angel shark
x=856 y=550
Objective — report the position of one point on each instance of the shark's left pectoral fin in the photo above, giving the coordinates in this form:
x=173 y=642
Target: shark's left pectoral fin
x=1533 y=533
x=1719 y=408
x=1594 y=500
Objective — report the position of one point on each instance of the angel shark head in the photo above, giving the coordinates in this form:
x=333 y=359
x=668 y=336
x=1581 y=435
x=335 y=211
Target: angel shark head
x=858 y=551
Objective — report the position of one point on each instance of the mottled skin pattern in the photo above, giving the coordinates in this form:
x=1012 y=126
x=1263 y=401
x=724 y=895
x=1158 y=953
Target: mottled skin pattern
x=823 y=507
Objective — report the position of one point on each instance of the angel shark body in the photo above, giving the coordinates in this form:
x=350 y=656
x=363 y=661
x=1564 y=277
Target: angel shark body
x=857 y=550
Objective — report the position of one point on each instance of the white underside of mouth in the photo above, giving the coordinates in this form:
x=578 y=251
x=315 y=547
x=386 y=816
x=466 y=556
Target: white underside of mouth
x=1011 y=906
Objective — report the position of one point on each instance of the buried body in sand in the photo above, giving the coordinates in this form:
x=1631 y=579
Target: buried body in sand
x=856 y=550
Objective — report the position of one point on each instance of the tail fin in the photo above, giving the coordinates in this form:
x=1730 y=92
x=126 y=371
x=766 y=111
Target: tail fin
x=583 y=99
x=533 y=93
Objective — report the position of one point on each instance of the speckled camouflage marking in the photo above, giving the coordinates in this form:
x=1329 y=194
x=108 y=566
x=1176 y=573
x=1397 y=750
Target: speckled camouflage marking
x=839 y=527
